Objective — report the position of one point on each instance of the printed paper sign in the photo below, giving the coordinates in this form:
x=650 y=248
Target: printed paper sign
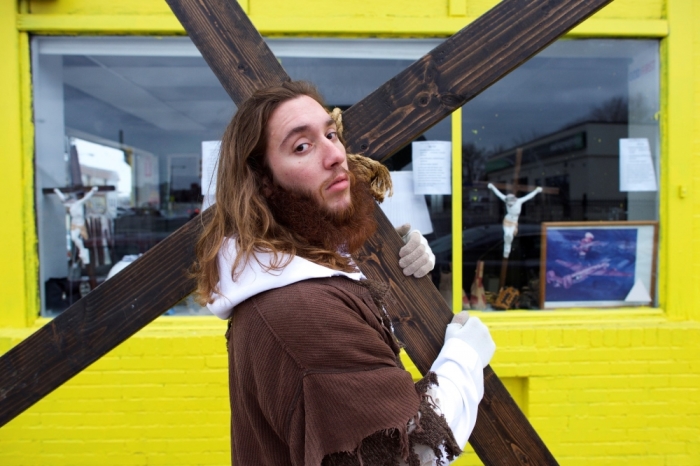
x=432 y=163
x=210 y=157
x=406 y=207
x=636 y=166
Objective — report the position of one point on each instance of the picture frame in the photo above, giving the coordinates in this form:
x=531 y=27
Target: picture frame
x=598 y=264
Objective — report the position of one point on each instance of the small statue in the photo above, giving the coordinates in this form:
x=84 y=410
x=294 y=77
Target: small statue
x=478 y=298
x=78 y=232
x=513 y=209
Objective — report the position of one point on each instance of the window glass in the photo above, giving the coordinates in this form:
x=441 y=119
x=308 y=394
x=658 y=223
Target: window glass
x=127 y=116
x=558 y=122
x=132 y=116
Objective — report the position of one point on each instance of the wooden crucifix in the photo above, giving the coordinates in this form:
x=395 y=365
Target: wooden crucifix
x=76 y=209
x=379 y=125
x=513 y=206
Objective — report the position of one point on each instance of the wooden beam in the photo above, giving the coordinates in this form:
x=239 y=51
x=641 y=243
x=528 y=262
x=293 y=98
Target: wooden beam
x=231 y=45
x=458 y=70
x=99 y=322
x=505 y=187
x=378 y=126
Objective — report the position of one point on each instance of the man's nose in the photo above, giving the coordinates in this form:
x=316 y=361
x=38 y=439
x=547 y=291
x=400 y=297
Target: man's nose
x=333 y=154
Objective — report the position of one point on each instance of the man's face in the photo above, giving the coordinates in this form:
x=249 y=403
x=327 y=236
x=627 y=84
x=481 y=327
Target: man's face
x=305 y=155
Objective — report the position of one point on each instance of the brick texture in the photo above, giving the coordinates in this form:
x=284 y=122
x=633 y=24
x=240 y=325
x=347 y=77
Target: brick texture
x=613 y=394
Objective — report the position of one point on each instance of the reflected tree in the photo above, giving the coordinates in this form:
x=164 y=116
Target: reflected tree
x=473 y=162
x=614 y=110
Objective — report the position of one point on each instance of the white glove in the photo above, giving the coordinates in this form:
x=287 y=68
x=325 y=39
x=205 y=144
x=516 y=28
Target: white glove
x=473 y=332
x=417 y=258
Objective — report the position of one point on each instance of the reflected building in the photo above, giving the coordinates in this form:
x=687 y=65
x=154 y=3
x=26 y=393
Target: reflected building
x=579 y=164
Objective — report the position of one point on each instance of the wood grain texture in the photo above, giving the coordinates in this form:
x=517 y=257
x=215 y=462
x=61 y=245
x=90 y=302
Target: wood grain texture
x=458 y=70
x=99 y=322
x=502 y=435
x=230 y=44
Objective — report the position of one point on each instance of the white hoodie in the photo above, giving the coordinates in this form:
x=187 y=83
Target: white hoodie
x=458 y=367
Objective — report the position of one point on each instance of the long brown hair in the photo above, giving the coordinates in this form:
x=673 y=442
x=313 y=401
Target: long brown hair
x=241 y=211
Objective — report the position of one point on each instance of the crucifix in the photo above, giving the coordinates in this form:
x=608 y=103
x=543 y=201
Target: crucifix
x=513 y=209
x=379 y=125
x=74 y=198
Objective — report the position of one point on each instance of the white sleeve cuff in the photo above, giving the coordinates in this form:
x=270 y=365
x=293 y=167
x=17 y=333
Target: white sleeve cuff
x=460 y=389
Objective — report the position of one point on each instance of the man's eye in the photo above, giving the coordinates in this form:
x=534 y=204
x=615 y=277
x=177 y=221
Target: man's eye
x=332 y=135
x=301 y=147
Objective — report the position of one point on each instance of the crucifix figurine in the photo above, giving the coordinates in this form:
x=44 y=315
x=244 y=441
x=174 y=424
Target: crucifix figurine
x=76 y=208
x=74 y=198
x=513 y=208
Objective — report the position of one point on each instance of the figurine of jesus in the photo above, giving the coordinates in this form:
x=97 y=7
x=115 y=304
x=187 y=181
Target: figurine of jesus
x=78 y=232
x=513 y=209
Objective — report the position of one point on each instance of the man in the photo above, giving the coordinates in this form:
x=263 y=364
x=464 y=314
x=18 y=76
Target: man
x=315 y=376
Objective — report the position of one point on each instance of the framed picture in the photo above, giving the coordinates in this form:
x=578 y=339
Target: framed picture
x=598 y=264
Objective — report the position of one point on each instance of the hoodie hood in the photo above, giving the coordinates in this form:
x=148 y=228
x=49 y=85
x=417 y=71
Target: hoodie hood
x=255 y=279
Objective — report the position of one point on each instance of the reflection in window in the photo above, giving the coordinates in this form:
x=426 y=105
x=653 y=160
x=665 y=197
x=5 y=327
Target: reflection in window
x=147 y=107
x=132 y=115
x=129 y=118
x=556 y=123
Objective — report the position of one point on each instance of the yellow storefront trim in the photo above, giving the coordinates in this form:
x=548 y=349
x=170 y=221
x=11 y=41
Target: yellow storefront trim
x=457 y=210
x=31 y=259
x=569 y=317
x=678 y=289
x=337 y=27
x=13 y=210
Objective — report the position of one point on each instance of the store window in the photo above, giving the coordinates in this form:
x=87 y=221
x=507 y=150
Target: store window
x=579 y=121
x=134 y=116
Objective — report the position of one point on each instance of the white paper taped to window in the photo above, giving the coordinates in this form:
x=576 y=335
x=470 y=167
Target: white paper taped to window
x=636 y=166
x=405 y=206
x=432 y=163
x=210 y=158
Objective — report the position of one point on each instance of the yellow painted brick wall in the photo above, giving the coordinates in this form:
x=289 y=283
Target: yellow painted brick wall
x=159 y=398
x=647 y=9
x=600 y=394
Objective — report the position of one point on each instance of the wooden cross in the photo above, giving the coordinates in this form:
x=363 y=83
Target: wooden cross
x=515 y=186
x=76 y=185
x=76 y=177
x=401 y=109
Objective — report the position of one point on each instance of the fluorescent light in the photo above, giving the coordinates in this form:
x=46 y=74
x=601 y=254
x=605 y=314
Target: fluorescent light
x=378 y=49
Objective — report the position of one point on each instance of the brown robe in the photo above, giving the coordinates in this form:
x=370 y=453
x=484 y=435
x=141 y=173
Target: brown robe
x=314 y=374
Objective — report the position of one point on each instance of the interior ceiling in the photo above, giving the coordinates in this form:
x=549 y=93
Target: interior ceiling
x=179 y=95
x=189 y=98
x=171 y=97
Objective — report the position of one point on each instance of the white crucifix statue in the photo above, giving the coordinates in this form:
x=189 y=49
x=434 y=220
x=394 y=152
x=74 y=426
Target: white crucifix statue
x=513 y=208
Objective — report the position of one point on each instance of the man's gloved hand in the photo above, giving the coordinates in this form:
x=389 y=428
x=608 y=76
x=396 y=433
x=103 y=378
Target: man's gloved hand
x=473 y=332
x=417 y=258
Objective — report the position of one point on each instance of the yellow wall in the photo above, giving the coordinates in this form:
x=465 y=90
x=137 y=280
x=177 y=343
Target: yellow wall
x=601 y=387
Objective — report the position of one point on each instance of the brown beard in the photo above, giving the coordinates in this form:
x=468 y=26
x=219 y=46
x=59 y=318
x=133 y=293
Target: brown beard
x=312 y=223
